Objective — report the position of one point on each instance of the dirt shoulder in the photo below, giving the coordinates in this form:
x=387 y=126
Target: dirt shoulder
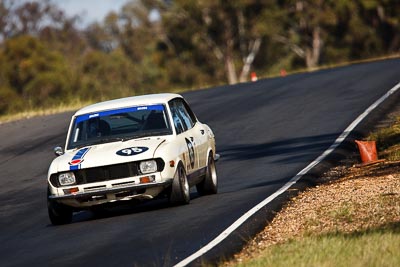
x=362 y=199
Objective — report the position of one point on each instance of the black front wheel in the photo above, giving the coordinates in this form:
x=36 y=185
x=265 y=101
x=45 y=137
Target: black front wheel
x=58 y=213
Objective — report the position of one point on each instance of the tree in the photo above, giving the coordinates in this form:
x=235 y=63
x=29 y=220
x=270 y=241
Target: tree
x=306 y=26
x=35 y=74
x=9 y=99
x=107 y=75
x=31 y=17
x=230 y=30
x=106 y=36
x=383 y=17
x=4 y=16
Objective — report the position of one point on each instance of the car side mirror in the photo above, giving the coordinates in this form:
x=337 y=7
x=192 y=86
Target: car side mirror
x=58 y=151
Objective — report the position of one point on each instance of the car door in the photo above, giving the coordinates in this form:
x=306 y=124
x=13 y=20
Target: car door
x=183 y=126
x=199 y=133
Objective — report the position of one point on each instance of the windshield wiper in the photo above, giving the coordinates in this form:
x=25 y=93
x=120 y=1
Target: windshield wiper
x=100 y=141
x=111 y=139
x=123 y=139
x=145 y=134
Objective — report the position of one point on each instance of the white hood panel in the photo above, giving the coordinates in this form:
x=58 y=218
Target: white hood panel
x=108 y=154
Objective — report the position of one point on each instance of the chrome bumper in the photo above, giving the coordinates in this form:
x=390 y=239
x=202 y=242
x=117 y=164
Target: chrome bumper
x=105 y=191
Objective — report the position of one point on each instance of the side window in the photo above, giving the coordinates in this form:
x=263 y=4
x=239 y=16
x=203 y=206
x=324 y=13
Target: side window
x=190 y=113
x=176 y=118
x=180 y=115
x=185 y=116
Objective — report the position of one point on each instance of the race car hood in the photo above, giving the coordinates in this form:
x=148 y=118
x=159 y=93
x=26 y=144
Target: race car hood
x=106 y=154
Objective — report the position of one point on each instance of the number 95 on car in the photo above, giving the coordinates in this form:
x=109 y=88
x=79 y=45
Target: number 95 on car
x=131 y=148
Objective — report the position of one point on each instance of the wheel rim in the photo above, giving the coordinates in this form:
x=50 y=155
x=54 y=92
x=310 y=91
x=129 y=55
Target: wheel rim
x=212 y=172
x=184 y=182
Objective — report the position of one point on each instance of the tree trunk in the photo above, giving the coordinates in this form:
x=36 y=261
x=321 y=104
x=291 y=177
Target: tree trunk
x=313 y=53
x=248 y=61
x=230 y=69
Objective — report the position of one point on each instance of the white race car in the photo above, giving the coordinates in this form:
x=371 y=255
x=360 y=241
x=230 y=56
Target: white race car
x=131 y=148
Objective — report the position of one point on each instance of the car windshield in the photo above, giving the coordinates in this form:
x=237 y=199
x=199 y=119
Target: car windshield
x=118 y=125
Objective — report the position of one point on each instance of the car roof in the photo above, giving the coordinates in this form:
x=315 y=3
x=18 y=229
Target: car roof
x=128 y=102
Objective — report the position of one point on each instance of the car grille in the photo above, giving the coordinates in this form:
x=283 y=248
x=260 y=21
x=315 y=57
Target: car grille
x=106 y=173
x=101 y=174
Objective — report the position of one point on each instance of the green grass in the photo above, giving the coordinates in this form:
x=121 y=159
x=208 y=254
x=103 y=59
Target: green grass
x=388 y=141
x=378 y=247
x=344 y=213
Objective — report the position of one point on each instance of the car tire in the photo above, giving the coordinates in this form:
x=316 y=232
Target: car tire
x=180 y=191
x=58 y=213
x=209 y=185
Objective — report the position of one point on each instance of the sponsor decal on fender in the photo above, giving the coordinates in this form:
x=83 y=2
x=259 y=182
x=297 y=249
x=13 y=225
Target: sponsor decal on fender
x=76 y=161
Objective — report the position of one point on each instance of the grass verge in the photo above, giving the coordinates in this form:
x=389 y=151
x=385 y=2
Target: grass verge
x=42 y=111
x=388 y=140
x=373 y=247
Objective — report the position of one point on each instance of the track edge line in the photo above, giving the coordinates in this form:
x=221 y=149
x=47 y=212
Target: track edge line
x=286 y=186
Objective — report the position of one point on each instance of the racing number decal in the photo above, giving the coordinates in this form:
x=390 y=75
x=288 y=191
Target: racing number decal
x=191 y=152
x=131 y=151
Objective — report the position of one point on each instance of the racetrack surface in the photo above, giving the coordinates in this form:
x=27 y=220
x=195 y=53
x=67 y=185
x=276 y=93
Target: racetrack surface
x=266 y=133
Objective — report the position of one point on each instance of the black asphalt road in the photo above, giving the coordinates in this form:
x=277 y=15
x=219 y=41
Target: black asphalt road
x=266 y=132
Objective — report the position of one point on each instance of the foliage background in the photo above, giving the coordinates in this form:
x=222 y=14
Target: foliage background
x=47 y=60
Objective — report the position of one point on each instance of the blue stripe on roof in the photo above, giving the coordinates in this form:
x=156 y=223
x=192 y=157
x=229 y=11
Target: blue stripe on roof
x=117 y=111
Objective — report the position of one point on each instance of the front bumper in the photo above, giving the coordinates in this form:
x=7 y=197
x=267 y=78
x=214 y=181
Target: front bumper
x=114 y=190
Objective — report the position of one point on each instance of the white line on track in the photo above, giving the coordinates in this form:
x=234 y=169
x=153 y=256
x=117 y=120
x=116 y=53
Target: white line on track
x=292 y=181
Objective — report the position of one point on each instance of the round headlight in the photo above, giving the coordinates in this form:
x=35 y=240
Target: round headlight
x=148 y=166
x=67 y=178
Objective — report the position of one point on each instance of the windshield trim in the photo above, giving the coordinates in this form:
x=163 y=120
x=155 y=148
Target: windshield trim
x=88 y=116
x=83 y=117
